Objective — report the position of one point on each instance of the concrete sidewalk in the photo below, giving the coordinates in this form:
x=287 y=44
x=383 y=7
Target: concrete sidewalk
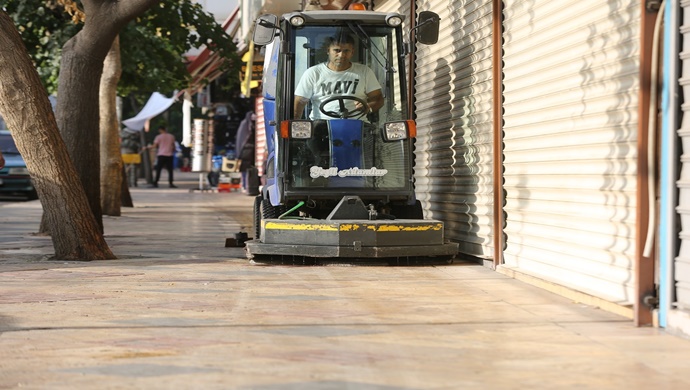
x=180 y=310
x=165 y=223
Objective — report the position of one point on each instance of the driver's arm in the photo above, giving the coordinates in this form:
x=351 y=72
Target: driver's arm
x=300 y=104
x=375 y=100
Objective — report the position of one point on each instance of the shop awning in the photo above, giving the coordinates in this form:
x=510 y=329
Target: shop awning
x=207 y=66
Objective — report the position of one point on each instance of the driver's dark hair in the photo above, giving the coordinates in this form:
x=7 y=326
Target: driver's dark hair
x=340 y=39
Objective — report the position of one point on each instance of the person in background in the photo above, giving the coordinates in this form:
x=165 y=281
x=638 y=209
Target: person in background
x=244 y=147
x=165 y=142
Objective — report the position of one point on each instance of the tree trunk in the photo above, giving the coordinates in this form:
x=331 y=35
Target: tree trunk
x=78 y=115
x=81 y=66
x=111 y=158
x=126 y=200
x=24 y=104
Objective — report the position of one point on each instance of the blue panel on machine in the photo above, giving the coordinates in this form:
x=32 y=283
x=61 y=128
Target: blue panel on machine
x=346 y=150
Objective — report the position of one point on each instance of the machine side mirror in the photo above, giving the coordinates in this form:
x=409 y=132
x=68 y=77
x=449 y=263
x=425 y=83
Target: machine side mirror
x=427 y=27
x=265 y=29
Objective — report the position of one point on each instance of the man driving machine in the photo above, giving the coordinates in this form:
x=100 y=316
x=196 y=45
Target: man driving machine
x=338 y=88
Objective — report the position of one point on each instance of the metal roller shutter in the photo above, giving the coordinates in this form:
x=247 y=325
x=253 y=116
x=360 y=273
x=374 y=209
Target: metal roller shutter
x=453 y=100
x=570 y=127
x=400 y=6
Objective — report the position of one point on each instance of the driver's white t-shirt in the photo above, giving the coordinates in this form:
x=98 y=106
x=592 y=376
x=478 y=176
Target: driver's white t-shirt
x=319 y=83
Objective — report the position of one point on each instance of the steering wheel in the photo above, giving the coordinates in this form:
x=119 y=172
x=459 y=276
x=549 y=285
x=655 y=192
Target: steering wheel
x=344 y=113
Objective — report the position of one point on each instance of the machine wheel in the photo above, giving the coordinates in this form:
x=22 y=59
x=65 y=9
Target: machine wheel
x=263 y=209
x=257 y=216
x=270 y=211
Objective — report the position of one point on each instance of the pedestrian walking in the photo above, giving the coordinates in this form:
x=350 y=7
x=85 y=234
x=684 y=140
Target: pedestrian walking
x=165 y=143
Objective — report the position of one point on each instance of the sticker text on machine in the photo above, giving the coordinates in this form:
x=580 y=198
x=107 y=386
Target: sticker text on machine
x=315 y=172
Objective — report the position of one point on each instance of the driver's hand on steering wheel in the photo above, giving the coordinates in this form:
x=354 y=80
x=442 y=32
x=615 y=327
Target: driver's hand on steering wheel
x=360 y=107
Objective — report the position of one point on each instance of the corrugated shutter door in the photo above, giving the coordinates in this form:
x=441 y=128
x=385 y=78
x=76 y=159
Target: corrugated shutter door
x=453 y=100
x=681 y=269
x=400 y=6
x=570 y=127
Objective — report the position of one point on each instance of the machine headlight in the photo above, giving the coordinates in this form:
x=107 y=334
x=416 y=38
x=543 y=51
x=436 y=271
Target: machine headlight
x=18 y=171
x=300 y=129
x=297 y=20
x=394 y=20
x=395 y=131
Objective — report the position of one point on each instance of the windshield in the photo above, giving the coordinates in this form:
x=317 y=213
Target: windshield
x=372 y=56
x=337 y=69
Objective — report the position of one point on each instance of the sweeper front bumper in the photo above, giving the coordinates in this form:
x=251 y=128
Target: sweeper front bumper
x=292 y=241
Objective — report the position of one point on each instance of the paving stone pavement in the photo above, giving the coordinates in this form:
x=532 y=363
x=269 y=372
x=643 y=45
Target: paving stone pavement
x=179 y=310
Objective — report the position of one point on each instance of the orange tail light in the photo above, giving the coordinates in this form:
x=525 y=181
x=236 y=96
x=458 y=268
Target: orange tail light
x=285 y=129
x=412 y=128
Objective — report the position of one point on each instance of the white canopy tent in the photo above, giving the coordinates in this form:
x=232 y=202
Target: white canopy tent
x=156 y=104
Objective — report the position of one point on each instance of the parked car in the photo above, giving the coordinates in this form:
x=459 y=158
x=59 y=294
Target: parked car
x=14 y=177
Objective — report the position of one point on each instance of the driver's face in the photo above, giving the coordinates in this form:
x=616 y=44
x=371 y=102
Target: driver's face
x=339 y=55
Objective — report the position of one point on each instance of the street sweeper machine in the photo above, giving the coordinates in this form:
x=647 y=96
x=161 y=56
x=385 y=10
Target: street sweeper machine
x=339 y=182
